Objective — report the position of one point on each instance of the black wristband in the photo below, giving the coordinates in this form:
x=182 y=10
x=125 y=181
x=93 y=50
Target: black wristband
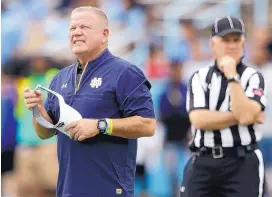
x=235 y=79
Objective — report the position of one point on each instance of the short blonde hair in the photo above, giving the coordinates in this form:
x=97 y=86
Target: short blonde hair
x=95 y=10
x=215 y=38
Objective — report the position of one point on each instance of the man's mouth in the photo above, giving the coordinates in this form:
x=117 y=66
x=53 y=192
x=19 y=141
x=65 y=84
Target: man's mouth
x=78 y=41
x=232 y=52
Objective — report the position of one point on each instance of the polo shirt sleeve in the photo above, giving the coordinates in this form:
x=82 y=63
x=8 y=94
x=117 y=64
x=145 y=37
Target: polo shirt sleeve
x=195 y=98
x=256 y=89
x=133 y=93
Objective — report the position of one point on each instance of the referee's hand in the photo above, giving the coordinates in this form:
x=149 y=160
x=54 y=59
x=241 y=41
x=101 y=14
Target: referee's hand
x=228 y=66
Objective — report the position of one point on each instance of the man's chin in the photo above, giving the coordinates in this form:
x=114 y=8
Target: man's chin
x=78 y=52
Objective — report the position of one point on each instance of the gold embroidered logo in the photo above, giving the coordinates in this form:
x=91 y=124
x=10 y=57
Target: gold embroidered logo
x=119 y=191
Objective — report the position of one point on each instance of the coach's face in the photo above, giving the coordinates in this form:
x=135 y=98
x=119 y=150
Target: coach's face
x=86 y=33
x=228 y=45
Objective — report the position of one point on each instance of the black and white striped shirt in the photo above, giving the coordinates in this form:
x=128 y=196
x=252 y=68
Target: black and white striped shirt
x=208 y=89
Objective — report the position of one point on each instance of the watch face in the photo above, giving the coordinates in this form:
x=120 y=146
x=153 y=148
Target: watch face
x=237 y=77
x=102 y=125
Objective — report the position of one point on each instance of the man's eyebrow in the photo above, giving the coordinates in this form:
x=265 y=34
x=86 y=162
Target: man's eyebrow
x=86 y=24
x=237 y=38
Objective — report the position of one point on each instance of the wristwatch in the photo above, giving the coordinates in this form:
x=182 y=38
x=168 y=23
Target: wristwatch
x=102 y=125
x=235 y=79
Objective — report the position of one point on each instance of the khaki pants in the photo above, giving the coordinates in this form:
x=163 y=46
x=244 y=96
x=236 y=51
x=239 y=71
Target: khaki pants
x=36 y=169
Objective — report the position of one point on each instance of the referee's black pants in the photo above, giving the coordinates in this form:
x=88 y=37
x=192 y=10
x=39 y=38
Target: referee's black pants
x=205 y=176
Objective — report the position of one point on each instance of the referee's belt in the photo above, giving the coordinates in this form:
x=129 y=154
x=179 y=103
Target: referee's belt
x=218 y=152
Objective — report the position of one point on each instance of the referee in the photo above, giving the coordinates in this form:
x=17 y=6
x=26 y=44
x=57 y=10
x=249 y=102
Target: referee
x=224 y=102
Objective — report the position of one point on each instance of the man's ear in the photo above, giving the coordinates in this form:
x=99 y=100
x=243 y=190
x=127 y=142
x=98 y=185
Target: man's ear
x=213 y=41
x=244 y=50
x=243 y=38
x=106 y=35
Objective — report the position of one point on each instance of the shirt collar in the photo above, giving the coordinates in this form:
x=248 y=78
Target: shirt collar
x=106 y=53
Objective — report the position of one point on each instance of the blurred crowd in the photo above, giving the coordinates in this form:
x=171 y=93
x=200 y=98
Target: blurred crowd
x=167 y=39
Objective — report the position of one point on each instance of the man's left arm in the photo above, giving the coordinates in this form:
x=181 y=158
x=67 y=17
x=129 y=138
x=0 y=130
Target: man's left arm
x=134 y=97
x=133 y=127
x=247 y=106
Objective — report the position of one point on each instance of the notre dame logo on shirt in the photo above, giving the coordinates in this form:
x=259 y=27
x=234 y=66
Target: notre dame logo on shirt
x=96 y=82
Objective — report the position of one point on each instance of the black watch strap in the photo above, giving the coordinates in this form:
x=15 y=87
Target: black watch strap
x=235 y=79
x=232 y=80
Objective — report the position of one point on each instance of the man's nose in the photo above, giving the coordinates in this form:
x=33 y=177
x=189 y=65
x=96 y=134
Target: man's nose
x=77 y=32
x=232 y=45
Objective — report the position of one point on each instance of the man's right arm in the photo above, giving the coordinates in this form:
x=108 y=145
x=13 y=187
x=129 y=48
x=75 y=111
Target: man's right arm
x=35 y=98
x=211 y=120
x=42 y=132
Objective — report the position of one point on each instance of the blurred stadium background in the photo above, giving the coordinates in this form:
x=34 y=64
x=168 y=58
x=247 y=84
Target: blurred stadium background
x=167 y=39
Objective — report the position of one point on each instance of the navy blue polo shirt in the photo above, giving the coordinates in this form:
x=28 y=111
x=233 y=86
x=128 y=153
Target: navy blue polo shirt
x=102 y=166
